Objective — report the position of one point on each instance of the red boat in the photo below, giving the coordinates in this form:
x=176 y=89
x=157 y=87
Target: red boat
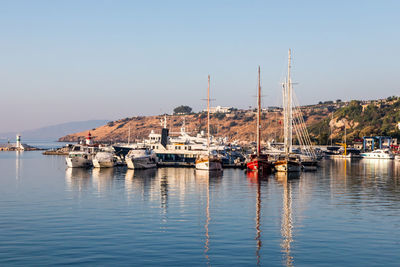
x=259 y=162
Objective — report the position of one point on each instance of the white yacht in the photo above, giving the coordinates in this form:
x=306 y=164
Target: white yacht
x=141 y=158
x=81 y=156
x=79 y=159
x=378 y=154
x=104 y=160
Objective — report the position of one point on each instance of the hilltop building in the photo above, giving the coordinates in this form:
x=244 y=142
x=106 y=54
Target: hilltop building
x=219 y=109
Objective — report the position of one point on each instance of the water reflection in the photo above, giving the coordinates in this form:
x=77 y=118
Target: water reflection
x=102 y=179
x=257 y=178
x=17 y=164
x=77 y=179
x=204 y=177
x=140 y=180
x=287 y=180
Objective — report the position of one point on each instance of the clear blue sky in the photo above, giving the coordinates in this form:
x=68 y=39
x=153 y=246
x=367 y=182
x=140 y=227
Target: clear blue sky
x=69 y=60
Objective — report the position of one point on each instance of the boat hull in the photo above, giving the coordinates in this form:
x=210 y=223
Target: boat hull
x=378 y=156
x=209 y=164
x=287 y=166
x=78 y=162
x=141 y=163
x=103 y=164
x=259 y=165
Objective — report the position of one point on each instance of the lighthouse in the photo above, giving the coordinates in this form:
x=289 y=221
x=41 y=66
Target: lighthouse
x=89 y=139
x=18 y=146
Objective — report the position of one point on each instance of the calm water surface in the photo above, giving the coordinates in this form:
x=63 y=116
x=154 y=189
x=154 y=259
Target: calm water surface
x=347 y=213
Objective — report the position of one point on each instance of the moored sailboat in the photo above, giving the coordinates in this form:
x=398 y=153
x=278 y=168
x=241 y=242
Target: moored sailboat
x=259 y=162
x=289 y=162
x=208 y=161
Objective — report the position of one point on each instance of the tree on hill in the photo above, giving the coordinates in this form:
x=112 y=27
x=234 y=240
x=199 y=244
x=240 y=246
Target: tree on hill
x=182 y=110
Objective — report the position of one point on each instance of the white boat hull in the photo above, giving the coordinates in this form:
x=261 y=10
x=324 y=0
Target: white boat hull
x=377 y=156
x=103 y=164
x=78 y=162
x=210 y=166
x=141 y=163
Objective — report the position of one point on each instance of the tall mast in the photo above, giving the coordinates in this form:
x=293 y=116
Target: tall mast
x=259 y=115
x=331 y=128
x=345 y=140
x=290 y=111
x=208 y=115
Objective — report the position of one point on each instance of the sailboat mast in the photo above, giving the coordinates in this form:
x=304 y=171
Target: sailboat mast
x=289 y=106
x=208 y=115
x=259 y=115
x=331 y=128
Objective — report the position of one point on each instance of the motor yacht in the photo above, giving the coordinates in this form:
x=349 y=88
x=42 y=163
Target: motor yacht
x=141 y=158
x=104 y=160
x=378 y=154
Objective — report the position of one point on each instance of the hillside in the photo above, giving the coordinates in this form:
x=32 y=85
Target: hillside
x=361 y=118
x=238 y=125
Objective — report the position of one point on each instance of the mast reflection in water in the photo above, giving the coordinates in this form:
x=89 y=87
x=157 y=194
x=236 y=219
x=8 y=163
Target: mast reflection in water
x=258 y=178
x=287 y=179
x=204 y=177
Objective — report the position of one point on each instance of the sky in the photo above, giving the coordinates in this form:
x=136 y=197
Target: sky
x=69 y=60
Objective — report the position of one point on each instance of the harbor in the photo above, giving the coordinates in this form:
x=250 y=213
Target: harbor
x=188 y=133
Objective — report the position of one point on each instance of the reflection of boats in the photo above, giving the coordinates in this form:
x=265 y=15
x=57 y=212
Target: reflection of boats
x=102 y=178
x=77 y=178
x=204 y=177
x=77 y=173
x=204 y=174
x=287 y=221
x=208 y=161
x=378 y=154
x=259 y=162
x=141 y=158
x=104 y=160
x=254 y=178
x=284 y=176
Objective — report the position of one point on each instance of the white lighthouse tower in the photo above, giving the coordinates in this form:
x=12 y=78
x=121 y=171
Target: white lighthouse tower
x=18 y=145
x=89 y=139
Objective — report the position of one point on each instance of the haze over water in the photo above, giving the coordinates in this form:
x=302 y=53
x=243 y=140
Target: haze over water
x=346 y=213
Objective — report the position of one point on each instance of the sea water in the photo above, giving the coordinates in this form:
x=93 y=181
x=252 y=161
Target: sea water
x=346 y=213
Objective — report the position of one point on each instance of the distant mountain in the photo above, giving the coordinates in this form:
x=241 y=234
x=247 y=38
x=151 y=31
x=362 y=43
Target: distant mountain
x=54 y=132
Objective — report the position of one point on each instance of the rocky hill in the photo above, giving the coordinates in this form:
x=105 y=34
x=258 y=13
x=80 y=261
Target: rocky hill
x=361 y=118
x=238 y=125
